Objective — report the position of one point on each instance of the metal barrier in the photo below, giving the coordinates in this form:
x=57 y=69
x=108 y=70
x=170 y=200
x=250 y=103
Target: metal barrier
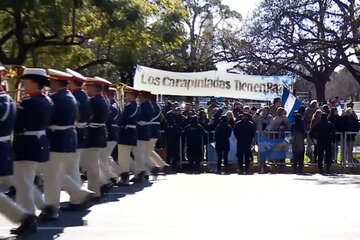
x=345 y=149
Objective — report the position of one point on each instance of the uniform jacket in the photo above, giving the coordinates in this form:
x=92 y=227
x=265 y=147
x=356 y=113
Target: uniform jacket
x=97 y=137
x=83 y=116
x=143 y=126
x=112 y=123
x=64 y=114
x=7 y=121
x=323 y=132
x=244 y=132
x=155 y=121
x=173 y=132
x=34 y=114
x=128 y=121
x=222 y=135
x=195 y=135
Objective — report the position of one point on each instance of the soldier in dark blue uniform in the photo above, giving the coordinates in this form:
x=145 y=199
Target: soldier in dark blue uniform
x=128 y=133
x=155 y=134
x=81 y=121
x=195 y=138
x=13 y=212
x=31 y=144
x=109 y=167
x=62 y=138
x=142 y=166
x=244 y=132
x=222 y=143
x=97 y=138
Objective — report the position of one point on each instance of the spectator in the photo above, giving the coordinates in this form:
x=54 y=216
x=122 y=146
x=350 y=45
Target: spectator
x=276 y=104
x=203 y=120
x=309 y=112
x=266 y=120
x=222 y=143
x=350 y=124
x=237 y=110
x=253 y=110
x=231 y=119
x=324 y=134
x=226 y=106
x=244 y=132
x=298 y=135
x=280 y=125
x=335 y=119
x=281 y=122
x=301 y=111
x=315 y=120
x=326 y=109
x=212 y=105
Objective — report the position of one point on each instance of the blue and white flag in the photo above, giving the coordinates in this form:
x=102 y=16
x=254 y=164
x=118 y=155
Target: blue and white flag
x=290 y=103
x=274 y=149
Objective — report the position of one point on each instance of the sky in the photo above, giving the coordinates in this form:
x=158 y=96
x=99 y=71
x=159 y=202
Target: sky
x=244 y=7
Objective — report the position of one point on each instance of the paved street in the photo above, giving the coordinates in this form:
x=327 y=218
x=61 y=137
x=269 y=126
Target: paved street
x=211 y=206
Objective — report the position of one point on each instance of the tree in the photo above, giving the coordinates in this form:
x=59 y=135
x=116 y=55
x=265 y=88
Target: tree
x=291 y=36
x=94 y=36
x=205 y=21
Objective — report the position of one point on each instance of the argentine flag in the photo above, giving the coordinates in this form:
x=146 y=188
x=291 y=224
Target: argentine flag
x=290 y=103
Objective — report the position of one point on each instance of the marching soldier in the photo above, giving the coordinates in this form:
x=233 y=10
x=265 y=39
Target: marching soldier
x=62 y=138
x=12 y=211
x=97 y=134
x=112 y=125
x=31 y=144
x=107 y=177
x=155 y=134
x=81 y=121
x=128 y=134
x=141 y=165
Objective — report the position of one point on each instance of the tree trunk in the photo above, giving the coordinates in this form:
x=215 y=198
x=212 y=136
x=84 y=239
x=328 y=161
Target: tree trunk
x=320 y=90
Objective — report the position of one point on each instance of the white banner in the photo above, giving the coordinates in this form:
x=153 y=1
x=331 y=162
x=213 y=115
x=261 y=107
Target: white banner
x=210 y=83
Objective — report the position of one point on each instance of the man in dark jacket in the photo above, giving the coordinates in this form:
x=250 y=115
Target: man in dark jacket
x=244 y=132
x=173 y=136
x=324 y=134
x=350 y=126
x=298 y=135
x=222 y=135
x=195 y=138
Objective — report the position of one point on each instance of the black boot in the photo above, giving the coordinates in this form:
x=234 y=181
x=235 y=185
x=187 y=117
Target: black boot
x=27 y=226
x=124 y=179
x=155 y=172
x=106 y=188
x=11 y=192
x=49 y=213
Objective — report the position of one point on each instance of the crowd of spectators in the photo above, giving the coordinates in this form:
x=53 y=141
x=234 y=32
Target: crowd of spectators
x=316 y=131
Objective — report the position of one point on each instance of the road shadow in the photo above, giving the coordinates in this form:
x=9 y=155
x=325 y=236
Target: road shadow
x=54 y=229
x=333 y=179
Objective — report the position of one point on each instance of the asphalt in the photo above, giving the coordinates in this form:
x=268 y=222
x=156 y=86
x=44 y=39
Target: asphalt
x=209 y=206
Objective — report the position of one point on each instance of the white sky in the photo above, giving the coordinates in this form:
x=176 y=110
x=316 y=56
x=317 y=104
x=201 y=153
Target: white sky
x=244 y=7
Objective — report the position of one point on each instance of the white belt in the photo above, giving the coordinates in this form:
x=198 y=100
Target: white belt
x=34 y=133
x=97 y=125
x=154 y=123
x=142 y=123
x=5 y=138
x=81 y=124
x=114 y=125
x=130 y=126
x=60 y=128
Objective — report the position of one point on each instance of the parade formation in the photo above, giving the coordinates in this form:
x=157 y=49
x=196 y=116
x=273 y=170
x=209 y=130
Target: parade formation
x=76 y=126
